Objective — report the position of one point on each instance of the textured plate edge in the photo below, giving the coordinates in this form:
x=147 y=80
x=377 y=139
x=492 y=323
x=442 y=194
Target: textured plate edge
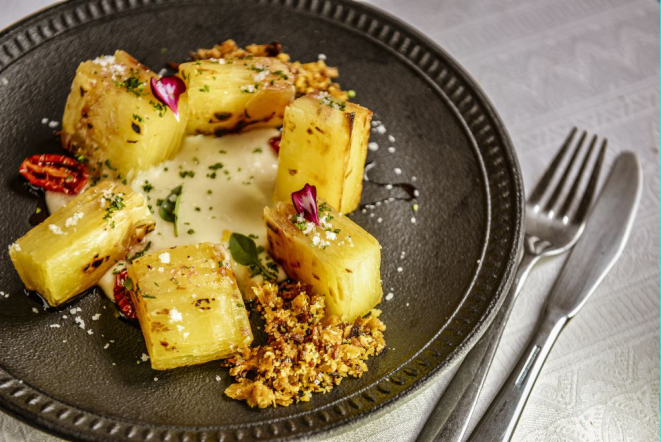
x=411 y=37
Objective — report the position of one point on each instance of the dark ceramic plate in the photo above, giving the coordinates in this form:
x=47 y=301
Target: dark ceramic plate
x=460 y=254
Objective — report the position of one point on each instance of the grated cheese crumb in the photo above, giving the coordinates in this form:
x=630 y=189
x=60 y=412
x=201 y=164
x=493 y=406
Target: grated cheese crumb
x=144 y=357
x=389 y=296
x=398 y=171
x=73 y=219
x=164 y=258
x=96 y=317
x=55 y=229
x=55 y=325
x=175 y=315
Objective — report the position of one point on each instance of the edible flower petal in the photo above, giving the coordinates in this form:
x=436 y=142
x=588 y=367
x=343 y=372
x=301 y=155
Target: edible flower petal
x=275 y=143
x=167 y=90
x=305 y=202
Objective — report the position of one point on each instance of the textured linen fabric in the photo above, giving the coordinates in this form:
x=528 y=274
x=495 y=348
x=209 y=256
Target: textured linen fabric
x=548 y=65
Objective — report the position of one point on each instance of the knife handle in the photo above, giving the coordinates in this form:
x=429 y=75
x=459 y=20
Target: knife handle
x=499 y=421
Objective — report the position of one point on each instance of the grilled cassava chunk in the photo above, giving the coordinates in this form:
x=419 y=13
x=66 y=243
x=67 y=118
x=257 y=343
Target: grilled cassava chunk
x=113 y=119
x=324 y=143
x=338 y=259
x=229 y=95
x=70 y=251
x=189 y=305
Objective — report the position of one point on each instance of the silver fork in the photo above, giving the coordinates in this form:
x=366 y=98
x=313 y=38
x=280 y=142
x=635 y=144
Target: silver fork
x=552 y=227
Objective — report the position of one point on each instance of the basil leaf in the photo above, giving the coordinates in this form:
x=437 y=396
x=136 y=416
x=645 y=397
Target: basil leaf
x=243 y=250
x=169 y=207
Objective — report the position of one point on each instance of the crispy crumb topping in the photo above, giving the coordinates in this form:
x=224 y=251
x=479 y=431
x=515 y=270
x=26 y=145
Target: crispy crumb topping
x=307 y=352
x=310 y=77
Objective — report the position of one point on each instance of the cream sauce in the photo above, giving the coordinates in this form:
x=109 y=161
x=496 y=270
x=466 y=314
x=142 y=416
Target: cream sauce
x=226 y=183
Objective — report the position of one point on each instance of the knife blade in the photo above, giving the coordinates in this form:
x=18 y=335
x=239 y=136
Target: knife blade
x=595 y=253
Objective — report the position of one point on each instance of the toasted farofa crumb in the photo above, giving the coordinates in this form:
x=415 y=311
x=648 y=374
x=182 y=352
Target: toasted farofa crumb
x=310 y=77
x=307 y=351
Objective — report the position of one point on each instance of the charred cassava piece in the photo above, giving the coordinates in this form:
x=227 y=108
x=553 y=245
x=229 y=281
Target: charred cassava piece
x=70 y=251
x=189 y=306
x=338 y=259
x=227 y=96
x=324 y=143
x=114 y=121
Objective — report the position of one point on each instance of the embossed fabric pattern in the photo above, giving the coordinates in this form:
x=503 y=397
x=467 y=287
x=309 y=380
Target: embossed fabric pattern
x=548 y=65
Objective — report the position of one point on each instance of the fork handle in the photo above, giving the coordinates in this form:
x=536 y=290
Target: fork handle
x=451 y=414
x=499 y=421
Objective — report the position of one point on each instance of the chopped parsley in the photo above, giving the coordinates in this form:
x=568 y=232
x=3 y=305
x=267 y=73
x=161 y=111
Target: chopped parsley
x=216 y=166
x=115 y=203
x=160 y=108
x=205 y=88
x=147 y=187
x=257 y=150
x=332 y=103
x=132 y=84
x=185 y=173
x=191 y=231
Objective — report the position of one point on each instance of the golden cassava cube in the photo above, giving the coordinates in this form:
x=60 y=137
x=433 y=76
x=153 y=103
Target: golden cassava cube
x=70 y=251
x=230 y=95
x=324 y=143
x=189 y=305
x=339 y=259
x=113 y=119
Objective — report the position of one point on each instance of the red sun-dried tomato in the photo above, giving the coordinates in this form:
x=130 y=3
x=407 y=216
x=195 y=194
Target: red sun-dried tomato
x=58 y=173
x=275 y=143
x=122 y=295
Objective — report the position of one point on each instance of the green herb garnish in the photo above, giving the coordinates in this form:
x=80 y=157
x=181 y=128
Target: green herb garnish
x=169 y=207
x=132 y=84
x=115 y=203
x=330 y=102
x=245 y=252
x=139 y=254
x=147 y=187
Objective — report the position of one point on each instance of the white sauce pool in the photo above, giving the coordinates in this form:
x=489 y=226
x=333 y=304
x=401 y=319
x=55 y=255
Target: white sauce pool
x=244 y=166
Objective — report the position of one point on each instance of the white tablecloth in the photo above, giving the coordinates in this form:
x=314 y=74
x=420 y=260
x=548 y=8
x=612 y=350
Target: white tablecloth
x=549 y=65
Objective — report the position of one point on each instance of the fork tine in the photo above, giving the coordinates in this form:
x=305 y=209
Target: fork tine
x=586 y=202
x=577 y=181
x=561 y=183
x=544 y=182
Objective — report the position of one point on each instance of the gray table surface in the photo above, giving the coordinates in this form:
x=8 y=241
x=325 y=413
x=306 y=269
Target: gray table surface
x=548 y=65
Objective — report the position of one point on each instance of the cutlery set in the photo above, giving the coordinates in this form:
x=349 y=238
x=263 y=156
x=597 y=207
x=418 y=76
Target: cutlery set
x=559 y=218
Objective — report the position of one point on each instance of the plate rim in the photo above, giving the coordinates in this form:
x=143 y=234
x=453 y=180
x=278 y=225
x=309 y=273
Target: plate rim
x=460 y=91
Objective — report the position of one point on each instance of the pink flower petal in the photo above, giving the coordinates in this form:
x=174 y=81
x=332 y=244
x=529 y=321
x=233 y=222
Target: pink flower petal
x=305 y=202
x=167 y=90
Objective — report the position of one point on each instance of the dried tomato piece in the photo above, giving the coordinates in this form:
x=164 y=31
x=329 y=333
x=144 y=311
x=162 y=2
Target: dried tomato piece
x=58 y=173
x=122 y=295
x=275 y=143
